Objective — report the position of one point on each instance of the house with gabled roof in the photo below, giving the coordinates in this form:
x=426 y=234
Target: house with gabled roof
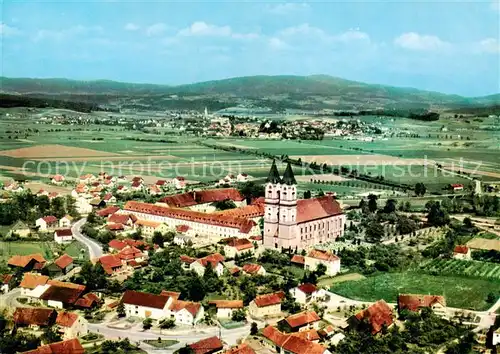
x=47 y=223
x=71 y=325
x=253 y=269
x=34 y=317
x=61 y=265
x=33 y=285
x=225 y=308
x=240 y=349
x=57 y=179
x=302 y=321
x=211 y=345
x=215 y=260
x=87 y=178
x=237 y=246
x=63 y=236
x=327 y=258
x=306 y=293
x=71 y=346
x=462 y=252
x=61 y=294
x=267 y=305
x=149 y=227
x=20 y=229
x=5 y=282
x=65 y=221
x=292 y=343
x=415 y=302
x=112 y=264
x=30 y=262
x=377 y=316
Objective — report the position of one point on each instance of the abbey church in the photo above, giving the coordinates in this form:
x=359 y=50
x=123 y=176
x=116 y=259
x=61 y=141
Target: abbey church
x=298 y=223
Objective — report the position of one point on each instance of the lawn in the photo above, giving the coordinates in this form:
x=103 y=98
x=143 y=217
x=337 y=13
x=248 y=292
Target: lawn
x=78 y=251
x=164 y=343
x=8 y=249
x=339 y=279
x=459 y=291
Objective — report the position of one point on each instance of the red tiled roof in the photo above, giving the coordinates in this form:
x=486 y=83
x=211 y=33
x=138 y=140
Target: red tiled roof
x=302 y=319
x=227 y=304
x=64 y=232
x=251 y=268
x=108 y=211
x=58 y=178
x=298 y=345
x=298 y=259
x=115 y=227
x=213 y=259
x=117 y=244
x=161 y=182
x=191 y=307
x=259 y=200
x=248 y=211
x=255 y=238
x=207 y=346
x=23 y=261
x=377 y=315
x=63 y=261
x=119 y=218
x=32 y=280
x=70 y=346
x=50 y=219
x=462 y=249
x=317 y=208
x=244 y=225
x=179 y=200
x=269 y=299
x=130 y=252
x=187 y=259
x=182 y=228
x=64 y=294
x=148 y=223
x=107 y=197
x=238 y=243
x=34 y=316
x=201 y=197
x=240 y=349
x=415 y=302
x=307 y=288
x=87 y=300
x=323 y=255
x=66 y=319
x=5 y=279
x=138 y=298
x=109 y=262
x=310 y=334
x=457 y=185
x=274 y=335
x=173 y=294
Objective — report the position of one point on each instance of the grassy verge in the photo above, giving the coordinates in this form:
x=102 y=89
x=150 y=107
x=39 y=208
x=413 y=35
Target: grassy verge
x=339 y=279
x=160 y=344
x=460 y=292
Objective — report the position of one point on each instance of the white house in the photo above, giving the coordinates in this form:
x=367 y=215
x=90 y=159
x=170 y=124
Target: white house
x=33 y=285
x=83 y=206
x=225 y=308
x=57 y=179
x=4 y=283
x=46 y=223
x=63 y=236
x=88 y=178
x=65 y=221
x=242 y=177
x=215 y=260
x=328 y=259
x=71 y=325
x=307 y=293
x=178 y=182
x=254 y=269
x=496 y=337
x=462 y=252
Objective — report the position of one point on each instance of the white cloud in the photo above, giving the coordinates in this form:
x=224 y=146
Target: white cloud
x=489 y=45
x=6 y=30
x=415 y=41
x=304 y=29
x=495 y=5
x=315 y=33
x=353 y=35
x=200 y=28
x=58 y=35
x=277 y=44
x=156 y=29
x=131 y=27
x=287 y=8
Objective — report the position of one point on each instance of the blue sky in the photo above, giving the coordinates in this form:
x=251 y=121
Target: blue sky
x=449 y=46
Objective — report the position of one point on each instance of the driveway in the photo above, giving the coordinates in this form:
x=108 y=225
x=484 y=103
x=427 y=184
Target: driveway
x=95 y=249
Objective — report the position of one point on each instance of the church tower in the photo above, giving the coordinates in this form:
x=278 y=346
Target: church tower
x=272 y=203
x=288 y=210
x=280 y=218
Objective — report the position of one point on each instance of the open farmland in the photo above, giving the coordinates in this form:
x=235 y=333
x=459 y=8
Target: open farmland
x=53 y=151
x=460 y=292
x=8 y=249
x=475 y=269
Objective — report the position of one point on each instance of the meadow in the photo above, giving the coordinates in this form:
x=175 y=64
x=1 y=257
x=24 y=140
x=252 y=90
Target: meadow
x=476 y=269
x=460 y=292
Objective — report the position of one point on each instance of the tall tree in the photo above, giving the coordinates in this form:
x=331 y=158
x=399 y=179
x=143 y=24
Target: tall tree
x=372 y=203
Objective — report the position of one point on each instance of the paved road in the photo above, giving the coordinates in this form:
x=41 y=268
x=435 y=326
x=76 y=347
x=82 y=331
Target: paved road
x=229 y=336
x=95 y=250
x=9 y=300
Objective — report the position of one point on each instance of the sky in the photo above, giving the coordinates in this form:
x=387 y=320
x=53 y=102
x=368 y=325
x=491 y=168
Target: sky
x=448 y=46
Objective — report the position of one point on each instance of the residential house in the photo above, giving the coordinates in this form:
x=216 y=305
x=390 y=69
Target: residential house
x=42 y=192
x=268 y=305
x=65 y=222
x=88 y=301
x=71 y=346
x=253 y=269
x=33 y=285
x=136 y=186
x=149 y=227
x=20 y=229
x=57 y=179
x=186 y=312
x=328 y=259
x=291 y=343
x=53 y=195
x=240 y=349
x=61 y=265
x=109 y=198
x=242 y=178
x=179 y=182
x=225 y=308
x=161 y=183
x=212 y=345
x=215 y=260
x=118 y=245
x=412 y=302
x=63 y=236
x=61 y=294
x=462 y=252
x=46 y=223
x=83 y=207
x=71 y=325
x=154 y=190
x=182 y=240
x=456 y=187
x=122 y=189
x=237 y=246
x=377 y=316
x=302 y=321
x=108 y=211
x=5 y=281
x=13 y=187
x=34 y=317
x=298 y=260
x=112 y=264
x=307 y=293
x=87 y=179
x=127 y=220
x=31 y=262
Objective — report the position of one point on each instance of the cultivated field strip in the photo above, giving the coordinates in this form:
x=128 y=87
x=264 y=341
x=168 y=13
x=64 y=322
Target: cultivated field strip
x=463 y=268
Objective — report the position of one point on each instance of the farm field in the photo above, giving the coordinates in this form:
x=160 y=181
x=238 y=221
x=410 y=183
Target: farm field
x=7 y=249
x=475 y=269
x=460 y=292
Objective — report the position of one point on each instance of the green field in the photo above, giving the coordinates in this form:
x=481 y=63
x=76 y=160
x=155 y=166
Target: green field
x=460 y=292
x=476 y=269
x=8 y=249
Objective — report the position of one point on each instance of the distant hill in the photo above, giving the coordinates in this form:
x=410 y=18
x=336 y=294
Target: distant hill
x=308 y=92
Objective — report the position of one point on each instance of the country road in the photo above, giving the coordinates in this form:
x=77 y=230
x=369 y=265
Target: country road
x=95 y=250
